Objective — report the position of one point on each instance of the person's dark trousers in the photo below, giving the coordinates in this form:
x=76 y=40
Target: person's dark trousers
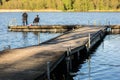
x=25 y=22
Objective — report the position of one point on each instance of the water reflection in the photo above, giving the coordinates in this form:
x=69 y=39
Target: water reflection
x=36 y=37
x=104 y=63
x=87 y=72
x=89 y=68
x=25 y=40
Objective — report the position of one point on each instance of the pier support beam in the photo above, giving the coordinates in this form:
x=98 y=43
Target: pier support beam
x=48 y=70
x=68 y=60
x=78 y=55
x=38 y=38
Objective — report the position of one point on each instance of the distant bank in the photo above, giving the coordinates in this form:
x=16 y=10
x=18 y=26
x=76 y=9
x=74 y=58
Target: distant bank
x=51 y=10
x=19 y=10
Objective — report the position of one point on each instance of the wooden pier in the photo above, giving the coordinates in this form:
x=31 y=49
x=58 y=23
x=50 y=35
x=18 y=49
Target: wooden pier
x=42 y=28
x=35 y=62
x=115 y=29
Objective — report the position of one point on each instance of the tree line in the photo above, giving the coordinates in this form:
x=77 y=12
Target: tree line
x=75 y=5
x=1 y=1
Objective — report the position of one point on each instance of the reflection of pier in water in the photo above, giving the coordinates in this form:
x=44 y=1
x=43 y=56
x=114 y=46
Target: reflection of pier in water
x=25 y=40
x=26 y=37
x=35 y=38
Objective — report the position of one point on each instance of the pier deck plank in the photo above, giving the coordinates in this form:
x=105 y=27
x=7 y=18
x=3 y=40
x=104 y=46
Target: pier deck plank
x=30 y=62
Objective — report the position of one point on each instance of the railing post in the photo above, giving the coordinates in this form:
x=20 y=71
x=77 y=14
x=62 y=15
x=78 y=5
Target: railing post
x=89 y=41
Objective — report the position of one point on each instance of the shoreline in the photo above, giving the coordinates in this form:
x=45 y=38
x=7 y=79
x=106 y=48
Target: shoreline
x=51 y=10
x=20 y=10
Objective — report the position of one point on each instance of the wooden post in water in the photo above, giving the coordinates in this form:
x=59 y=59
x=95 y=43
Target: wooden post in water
x=78 y=53
x=110 y=29
x=48 y=70
x=68 y=60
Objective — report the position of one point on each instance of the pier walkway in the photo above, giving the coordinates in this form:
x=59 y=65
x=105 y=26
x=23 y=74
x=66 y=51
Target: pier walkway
x=30 y=63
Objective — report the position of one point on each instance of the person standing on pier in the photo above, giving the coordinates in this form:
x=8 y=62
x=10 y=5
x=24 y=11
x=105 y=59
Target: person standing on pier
x=36 y=20
x=24 y=18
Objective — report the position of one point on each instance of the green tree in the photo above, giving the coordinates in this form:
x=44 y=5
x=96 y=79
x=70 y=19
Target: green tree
x=59 y=4
x=77 y=5
x=1 y=3
x=67 y=4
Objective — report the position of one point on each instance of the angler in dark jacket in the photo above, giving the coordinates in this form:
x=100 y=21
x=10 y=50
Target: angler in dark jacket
x=24 y=18
x=36 y=20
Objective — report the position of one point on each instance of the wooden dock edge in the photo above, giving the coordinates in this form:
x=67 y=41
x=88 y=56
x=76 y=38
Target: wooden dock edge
x=114 y=29
x=46 y=28
x=43 y=28
x=95 y=39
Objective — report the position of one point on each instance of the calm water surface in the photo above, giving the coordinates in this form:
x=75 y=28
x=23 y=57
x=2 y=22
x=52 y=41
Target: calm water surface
x=104 y=63
x=20 y=39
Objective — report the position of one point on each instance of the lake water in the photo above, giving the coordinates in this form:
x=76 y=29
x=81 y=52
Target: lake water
x=20 y=39
x=104 y=63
